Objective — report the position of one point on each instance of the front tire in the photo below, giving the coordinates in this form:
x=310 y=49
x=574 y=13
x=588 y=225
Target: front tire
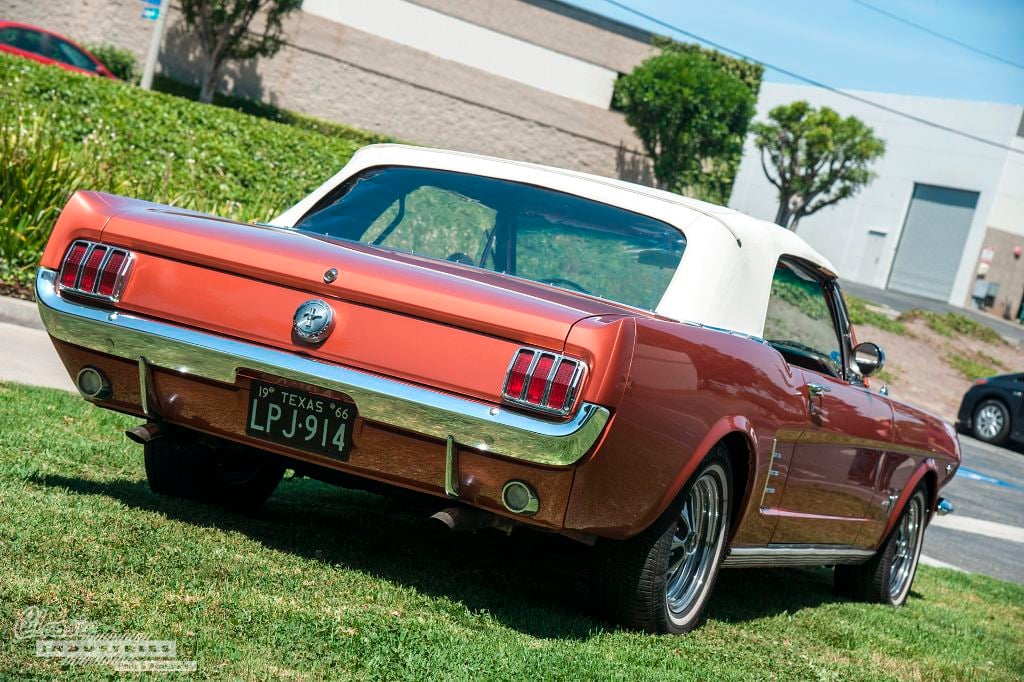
x=886 y=577
x=221 y=473
x=661 y=580
x=991 y=422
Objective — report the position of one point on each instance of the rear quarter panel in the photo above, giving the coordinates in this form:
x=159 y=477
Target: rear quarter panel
x=687 y=388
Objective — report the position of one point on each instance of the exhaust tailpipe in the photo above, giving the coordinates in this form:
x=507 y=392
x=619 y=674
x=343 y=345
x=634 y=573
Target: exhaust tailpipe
x=468 y=518
x=461 y=518
x=144 y=433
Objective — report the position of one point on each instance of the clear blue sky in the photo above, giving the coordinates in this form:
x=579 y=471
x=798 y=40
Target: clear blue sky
x=847 y=45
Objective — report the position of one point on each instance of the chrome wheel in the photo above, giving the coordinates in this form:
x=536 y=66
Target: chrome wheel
x=989 y=421
x=696 y=543
x=908 y=546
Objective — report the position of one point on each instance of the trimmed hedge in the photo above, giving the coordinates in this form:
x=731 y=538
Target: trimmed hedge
x=174 y=150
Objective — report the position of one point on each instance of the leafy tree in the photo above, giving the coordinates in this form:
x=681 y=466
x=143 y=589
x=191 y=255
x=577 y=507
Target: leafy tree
x=222 y=27
x=691 y=116
x=816 y=157
x=748 y=72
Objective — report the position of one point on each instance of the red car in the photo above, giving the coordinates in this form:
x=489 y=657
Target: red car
x=672 y=382
x=49 y=48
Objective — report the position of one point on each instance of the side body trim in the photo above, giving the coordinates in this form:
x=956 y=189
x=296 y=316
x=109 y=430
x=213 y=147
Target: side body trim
x=473 y=424
x=795 y=555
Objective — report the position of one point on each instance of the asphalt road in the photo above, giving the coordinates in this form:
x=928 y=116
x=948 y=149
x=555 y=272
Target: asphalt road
x=984 y=535
x=986 y=532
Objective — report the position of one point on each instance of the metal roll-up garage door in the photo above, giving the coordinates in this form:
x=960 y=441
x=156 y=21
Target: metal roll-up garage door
x=932 y=241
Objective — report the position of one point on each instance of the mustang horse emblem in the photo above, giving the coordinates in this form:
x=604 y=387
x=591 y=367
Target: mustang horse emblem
x=313 y=321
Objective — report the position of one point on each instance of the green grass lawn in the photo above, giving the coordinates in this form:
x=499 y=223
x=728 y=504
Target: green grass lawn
x=326 y=583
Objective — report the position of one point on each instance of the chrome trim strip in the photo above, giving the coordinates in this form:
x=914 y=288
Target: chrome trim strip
x=147 y=394
x=795 y=555
x=451 y=468
x=473 y=424
x=768 y=489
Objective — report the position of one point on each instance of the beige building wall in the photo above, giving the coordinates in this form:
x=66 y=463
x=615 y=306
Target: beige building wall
x=1006 y=270
x=334 y=72
x=1005 y=232
x=551 y=25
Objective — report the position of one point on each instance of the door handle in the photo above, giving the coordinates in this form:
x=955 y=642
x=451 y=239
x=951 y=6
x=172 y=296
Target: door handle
x=815 y=390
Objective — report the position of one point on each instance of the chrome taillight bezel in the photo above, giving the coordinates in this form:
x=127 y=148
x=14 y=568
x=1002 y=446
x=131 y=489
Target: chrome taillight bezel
x=120 y=278
x=575 y=382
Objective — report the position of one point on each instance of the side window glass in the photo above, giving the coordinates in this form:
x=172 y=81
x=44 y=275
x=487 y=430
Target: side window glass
x=29 y=41
x=64 y=51
x=799 y=323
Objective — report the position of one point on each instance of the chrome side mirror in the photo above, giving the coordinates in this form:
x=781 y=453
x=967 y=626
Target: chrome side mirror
x=869 y=358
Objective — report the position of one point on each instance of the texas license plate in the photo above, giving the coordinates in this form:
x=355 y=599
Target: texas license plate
x=300 y=419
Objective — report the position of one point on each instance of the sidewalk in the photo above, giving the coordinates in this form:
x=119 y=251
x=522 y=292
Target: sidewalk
x=21 y=313
x=901 y=302
x=28 y=357
x=26 y=354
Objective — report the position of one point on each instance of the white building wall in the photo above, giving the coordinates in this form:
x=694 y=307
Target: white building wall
x=860 y=235
x=1008 y=207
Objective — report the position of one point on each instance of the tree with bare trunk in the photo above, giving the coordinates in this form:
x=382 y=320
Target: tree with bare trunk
x=222 y=27
x=816 y=157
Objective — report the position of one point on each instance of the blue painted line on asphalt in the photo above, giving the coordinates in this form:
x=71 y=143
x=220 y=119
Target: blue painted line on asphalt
x=973 y=475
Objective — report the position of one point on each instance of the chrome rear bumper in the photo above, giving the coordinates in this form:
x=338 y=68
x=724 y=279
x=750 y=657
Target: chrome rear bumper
x=421 y=410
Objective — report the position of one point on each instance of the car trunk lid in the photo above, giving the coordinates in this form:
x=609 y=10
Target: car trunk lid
x=428 y=321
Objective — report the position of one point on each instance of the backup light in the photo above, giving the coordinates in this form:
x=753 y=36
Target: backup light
x=543 y=380
x=93 y=384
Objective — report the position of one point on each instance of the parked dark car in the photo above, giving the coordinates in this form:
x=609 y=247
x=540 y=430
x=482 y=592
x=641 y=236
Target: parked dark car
x=993 y=409
x=43 y=46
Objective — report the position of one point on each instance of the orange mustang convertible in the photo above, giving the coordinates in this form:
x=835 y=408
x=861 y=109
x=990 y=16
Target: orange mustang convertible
x=672 y=382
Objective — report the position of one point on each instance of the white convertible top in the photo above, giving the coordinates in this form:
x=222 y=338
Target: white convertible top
x=725 y=275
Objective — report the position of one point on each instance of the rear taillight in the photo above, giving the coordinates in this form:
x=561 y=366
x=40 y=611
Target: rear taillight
x=95 y=270
x=543 y=380
x=72 y=261
x=91 y=269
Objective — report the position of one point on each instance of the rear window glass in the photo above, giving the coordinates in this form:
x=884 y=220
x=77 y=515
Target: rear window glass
x=530 y=232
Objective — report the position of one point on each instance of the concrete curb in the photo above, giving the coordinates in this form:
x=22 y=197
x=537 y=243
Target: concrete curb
x=21 y=313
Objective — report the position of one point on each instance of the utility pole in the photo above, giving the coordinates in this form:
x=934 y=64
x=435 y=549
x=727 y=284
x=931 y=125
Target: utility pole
x=163 y=8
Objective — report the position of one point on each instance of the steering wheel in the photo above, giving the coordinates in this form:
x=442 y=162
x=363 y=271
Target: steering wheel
x=461 y=258
x=561 y=281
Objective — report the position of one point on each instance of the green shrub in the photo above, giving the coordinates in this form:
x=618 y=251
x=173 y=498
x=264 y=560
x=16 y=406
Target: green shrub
x=121 y=63
x=975 y=365
x=38 y=172
x=862 y=314
x=94 y=133
x=955 y=324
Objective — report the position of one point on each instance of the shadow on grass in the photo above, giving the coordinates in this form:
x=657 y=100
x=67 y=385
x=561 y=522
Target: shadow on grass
x=535 y=583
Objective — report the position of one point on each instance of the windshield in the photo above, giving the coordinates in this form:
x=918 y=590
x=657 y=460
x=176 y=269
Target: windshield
x=521 y=230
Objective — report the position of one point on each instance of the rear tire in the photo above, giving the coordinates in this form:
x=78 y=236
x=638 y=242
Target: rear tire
x=219 y=472
x=660 y=581
x=886 y=578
